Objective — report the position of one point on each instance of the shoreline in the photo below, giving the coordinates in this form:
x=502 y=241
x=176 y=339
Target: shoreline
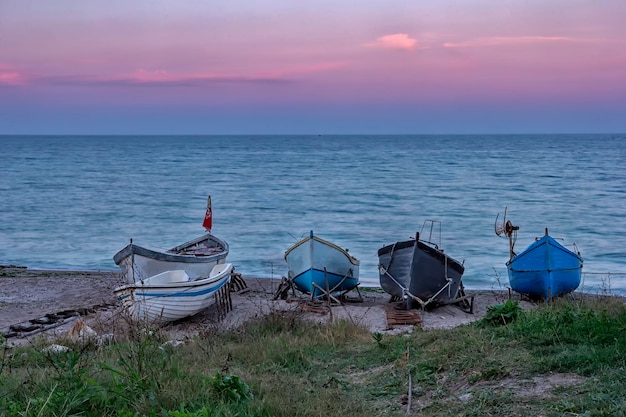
x=31 y=297
x=606 y=289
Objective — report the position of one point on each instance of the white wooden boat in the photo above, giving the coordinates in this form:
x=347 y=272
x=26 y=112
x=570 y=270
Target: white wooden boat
x=196 y=257
x=172 y=295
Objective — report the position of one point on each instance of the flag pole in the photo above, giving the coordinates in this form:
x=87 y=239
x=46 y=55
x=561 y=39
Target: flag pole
x=207 y=223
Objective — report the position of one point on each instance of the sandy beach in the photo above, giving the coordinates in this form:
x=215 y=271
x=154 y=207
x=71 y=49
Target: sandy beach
x=47 y=302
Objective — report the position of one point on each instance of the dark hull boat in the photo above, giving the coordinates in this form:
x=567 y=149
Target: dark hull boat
x=419 y=272
x=545 y=269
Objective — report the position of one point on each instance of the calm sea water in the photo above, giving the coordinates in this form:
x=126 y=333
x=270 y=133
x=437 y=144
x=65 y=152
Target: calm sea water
x=72 y=202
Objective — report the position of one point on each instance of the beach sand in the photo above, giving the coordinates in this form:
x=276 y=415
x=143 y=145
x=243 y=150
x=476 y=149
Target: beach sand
x=35 y=303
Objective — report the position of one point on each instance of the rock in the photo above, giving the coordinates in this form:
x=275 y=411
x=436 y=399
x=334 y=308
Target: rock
x=465 y=398
x=42 y=320
x=83 y=333
x=173 y=343
x=55 y=349
x=106 y=339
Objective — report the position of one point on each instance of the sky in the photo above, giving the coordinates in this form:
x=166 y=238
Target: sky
x=312 y=67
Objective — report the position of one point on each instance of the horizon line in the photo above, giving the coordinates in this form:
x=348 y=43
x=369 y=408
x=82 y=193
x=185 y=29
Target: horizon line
x=309 y=134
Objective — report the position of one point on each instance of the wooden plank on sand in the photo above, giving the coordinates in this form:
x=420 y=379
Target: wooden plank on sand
x=403 y=317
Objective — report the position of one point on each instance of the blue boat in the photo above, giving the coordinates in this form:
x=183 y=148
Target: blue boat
x=545 y=269
x=321 y=268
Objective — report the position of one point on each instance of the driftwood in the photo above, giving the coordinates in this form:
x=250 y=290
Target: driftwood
x=237 y=283
x=282 y=292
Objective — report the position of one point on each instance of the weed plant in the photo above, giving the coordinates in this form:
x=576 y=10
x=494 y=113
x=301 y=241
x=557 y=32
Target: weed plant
x=562 y=358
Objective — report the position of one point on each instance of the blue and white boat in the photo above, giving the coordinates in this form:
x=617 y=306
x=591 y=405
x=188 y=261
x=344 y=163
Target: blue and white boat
x=545 y=269
x=318 y=267
x=172 y=295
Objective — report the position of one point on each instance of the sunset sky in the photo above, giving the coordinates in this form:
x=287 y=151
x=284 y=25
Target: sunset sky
x=319 y=67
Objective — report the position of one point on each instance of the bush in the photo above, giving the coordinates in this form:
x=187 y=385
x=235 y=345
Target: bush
x=502 y=314
x=230 y=388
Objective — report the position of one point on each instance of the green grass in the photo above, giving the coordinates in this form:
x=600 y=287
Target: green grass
x=563 y=358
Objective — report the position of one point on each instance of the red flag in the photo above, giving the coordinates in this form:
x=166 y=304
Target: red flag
x=208 y=217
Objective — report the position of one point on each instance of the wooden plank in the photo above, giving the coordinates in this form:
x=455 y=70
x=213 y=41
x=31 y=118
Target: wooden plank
x=403 y=317
x=314 y=307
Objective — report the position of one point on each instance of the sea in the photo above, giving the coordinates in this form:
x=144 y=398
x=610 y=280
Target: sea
x=71 y=202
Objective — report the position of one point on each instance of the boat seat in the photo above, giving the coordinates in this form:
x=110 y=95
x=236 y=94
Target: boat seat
x=169 y=277
x=219 y=268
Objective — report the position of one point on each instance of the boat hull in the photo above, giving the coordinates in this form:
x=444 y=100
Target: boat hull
x=197 y=257
x=315 y=263
x=545 y=269
x=415 y=269
x=158 y=301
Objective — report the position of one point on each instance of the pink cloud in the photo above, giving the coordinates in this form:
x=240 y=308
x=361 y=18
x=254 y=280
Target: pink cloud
x=304 y=70
x=508 y=40
x=395 y=41
x=10 y=76
x=163 y=77
x=143 y=77
x=158 y=78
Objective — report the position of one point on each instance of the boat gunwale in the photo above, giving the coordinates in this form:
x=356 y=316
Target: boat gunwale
x=427 y=247
x=397 y=245
x=550 y=241
x=206 y=236
x=185 y=284
x=134 y=249
x=351 y=258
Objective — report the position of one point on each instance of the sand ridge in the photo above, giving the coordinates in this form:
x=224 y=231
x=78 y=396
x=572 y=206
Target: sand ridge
x=36 y=295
